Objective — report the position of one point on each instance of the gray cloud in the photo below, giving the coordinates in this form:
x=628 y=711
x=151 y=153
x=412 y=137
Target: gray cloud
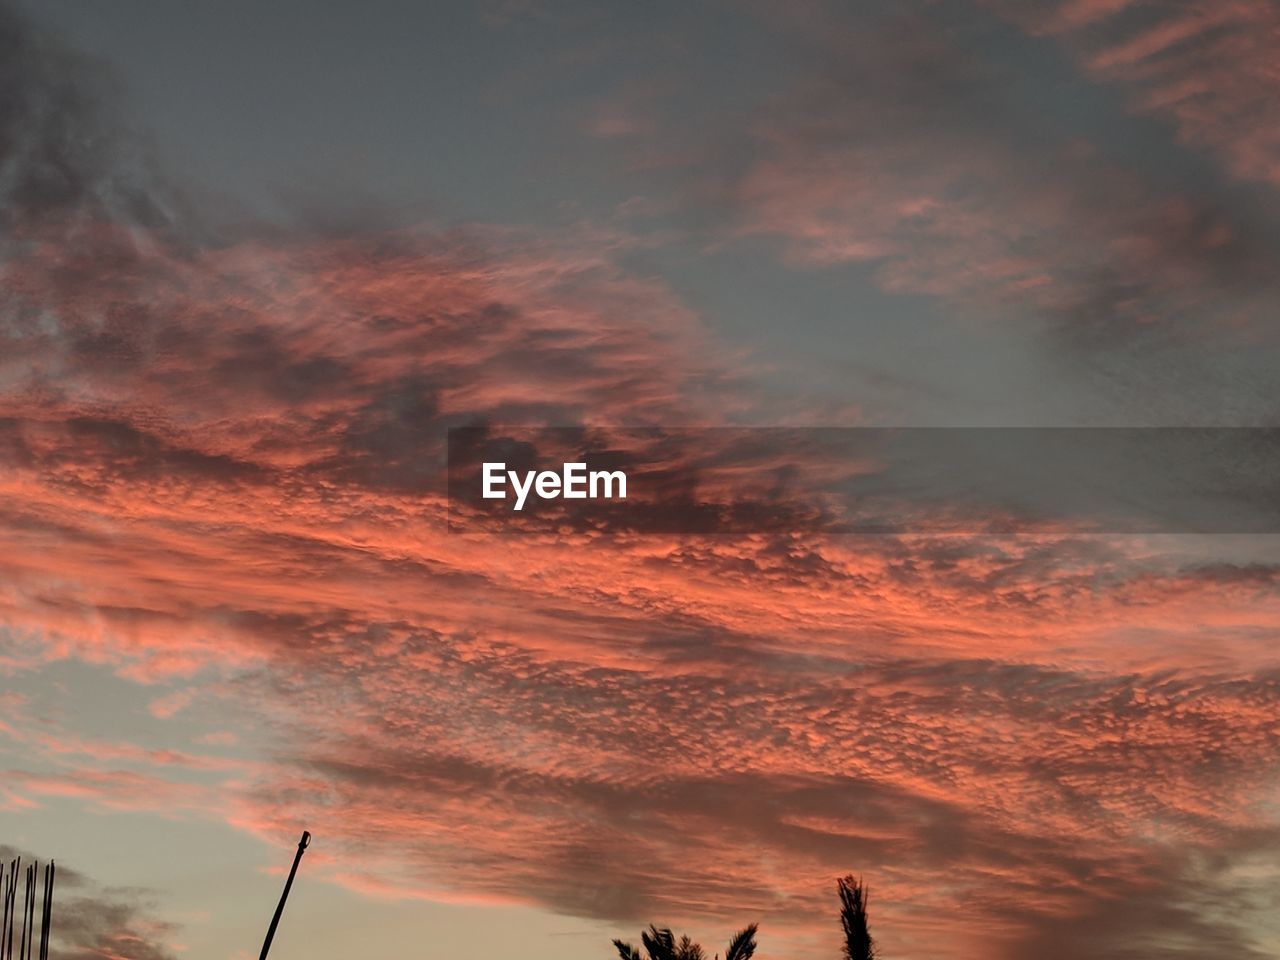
x=91 y=921
x=63 y=157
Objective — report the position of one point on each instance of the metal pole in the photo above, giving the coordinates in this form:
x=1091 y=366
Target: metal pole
x=6 y=935
x=28 y=905
x=8 y=907
x=46 y=912
x=275 y=920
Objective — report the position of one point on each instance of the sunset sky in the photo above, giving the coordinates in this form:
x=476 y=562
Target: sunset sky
x=257 y=258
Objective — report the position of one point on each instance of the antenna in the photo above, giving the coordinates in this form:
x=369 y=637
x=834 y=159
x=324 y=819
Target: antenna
x=275 y=920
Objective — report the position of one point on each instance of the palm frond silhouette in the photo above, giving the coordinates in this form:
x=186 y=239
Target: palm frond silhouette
x=858 y=944
x=743 y=944
x=661 y=944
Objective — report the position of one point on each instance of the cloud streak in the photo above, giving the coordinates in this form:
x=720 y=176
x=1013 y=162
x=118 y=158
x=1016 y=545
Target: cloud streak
x=910 y=153
x=1207 y=68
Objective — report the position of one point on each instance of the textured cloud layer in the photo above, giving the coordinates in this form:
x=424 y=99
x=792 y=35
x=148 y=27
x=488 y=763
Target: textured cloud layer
x=223 y=480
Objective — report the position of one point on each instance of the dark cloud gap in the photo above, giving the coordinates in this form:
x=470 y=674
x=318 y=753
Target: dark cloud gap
x=63 y=160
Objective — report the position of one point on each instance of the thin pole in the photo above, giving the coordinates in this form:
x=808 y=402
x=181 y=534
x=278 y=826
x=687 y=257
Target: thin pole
x=28 y=907
x=32 y=928
x=8 y=907
x=13 y=906
x=275 y=920
x=46 y=912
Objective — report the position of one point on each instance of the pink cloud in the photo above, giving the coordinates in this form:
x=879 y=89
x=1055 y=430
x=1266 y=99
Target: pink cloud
x=1206 y=67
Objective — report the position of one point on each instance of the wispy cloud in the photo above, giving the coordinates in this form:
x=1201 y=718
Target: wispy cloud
x=912 y=153
x=1209 y=68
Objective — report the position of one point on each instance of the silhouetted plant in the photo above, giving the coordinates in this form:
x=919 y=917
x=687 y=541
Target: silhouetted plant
x=743 y=944
x=858 y=944
x=661 y=944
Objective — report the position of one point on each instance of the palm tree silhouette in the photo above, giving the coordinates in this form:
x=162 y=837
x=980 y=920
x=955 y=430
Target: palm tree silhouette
x=661 y=944
x=858 y=944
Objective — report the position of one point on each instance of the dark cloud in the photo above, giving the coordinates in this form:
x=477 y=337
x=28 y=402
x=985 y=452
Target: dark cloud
x=91 y=921
x=918 y=144
x=63 y=158
x=1173 y=906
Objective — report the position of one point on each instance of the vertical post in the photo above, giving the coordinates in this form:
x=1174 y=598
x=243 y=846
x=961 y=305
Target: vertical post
x=46 y=913
x=26 y=910
x=275 y=920
x=8 y=907
x=31 y=929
